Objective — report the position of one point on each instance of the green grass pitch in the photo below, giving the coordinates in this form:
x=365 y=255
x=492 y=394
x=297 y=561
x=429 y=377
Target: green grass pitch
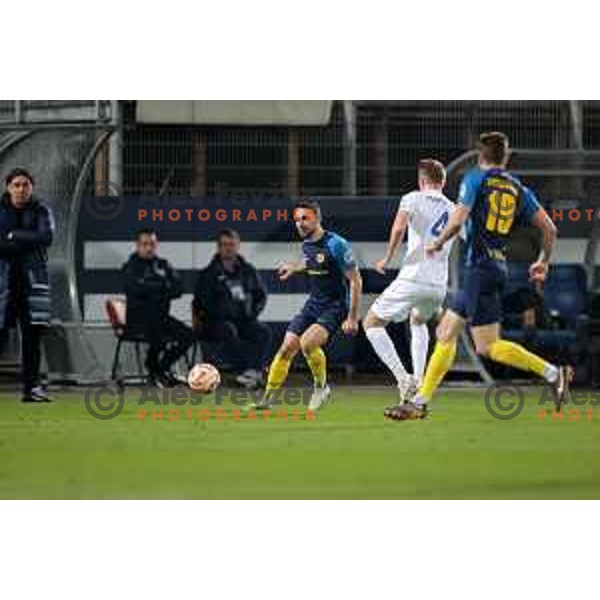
x=349 y=451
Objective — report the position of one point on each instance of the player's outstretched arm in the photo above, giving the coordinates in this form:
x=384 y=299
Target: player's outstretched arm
x=396 y=236
x=539 y=269
x=455 y=223
x=287 y=269
x=350 y=325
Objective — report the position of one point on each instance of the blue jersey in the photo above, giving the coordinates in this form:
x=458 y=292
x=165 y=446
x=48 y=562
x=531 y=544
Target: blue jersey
x=327 y=260
x=497 y=200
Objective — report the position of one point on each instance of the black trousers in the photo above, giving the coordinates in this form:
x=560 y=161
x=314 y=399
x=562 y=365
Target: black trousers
x=245 y=344
x=168 y=341
x=31 y=339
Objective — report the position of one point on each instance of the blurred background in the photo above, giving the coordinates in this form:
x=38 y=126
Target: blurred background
x=92 y=160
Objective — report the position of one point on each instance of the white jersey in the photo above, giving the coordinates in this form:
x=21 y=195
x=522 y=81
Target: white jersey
x=428 y=214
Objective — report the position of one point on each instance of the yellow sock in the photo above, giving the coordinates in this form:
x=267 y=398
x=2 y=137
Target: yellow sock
x=318 y=365
x=514 y=355
x=439 y=364
x=278 y=372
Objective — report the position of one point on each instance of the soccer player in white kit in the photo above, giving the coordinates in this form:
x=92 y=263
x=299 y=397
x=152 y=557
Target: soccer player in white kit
x=420 y=288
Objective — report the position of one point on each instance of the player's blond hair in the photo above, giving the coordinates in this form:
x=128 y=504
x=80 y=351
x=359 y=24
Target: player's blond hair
x=432 y=170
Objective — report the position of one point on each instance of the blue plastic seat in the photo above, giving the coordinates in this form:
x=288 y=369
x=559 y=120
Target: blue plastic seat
x=565 y=292
x=565 y=299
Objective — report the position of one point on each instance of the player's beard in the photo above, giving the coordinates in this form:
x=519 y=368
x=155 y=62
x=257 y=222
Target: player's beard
x=309 y=235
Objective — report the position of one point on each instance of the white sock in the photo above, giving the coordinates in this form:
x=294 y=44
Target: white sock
x=384 y=347
x=551 y=373
x=419 y=346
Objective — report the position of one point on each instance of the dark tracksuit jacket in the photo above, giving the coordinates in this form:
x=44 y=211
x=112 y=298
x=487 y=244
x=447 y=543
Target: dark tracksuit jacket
x=25 y=236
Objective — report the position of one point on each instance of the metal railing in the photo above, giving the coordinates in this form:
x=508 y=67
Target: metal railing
x=367 y=149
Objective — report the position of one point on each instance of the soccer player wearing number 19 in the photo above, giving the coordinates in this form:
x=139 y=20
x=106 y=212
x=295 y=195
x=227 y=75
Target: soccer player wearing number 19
x=490 y=201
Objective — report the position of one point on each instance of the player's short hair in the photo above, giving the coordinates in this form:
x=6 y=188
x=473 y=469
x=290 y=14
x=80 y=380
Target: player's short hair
x=18 y=172
x=145 y=231
x=228 y=233
x=310 y=205
x=432 y=170
x=493 y=147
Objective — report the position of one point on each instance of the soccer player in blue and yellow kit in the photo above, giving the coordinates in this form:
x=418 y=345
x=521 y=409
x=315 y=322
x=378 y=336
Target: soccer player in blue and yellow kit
x=491 y=200
x=334 y=296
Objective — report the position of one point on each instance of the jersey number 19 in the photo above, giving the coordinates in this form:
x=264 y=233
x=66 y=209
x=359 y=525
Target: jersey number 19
x=501 y=212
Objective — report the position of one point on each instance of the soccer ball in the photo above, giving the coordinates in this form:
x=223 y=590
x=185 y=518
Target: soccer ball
x=204 y=378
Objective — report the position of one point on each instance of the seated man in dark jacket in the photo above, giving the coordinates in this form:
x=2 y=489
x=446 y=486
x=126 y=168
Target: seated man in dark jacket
x=26 y=231
x=228 y=298
x=150 y=284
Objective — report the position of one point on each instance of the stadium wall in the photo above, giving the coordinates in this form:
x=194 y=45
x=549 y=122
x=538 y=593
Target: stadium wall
x=189 y=245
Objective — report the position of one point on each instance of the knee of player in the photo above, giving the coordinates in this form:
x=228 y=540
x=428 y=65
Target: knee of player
x=288 y=351
x=307 y=345
x=415 y=318
x=445 y=335
x=371 y=320
x=483 y=349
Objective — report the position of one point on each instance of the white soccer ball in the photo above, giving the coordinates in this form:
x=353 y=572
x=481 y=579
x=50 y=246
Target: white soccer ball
x=204 y=378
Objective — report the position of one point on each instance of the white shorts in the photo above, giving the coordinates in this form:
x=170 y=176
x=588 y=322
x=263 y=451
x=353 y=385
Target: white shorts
x=403 y=296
